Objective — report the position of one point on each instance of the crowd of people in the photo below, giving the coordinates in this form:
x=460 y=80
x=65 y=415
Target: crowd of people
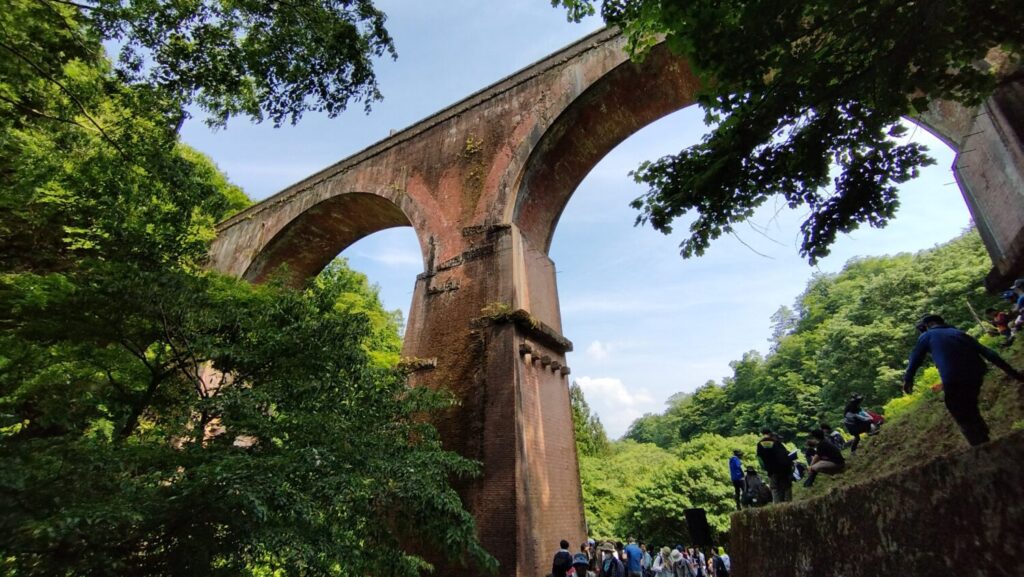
x=961 y=363
x=633 y=559
x=960 y=360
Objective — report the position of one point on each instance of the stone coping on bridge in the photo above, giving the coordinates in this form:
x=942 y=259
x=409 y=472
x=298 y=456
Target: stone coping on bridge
x=553 y=60
x=961 y=514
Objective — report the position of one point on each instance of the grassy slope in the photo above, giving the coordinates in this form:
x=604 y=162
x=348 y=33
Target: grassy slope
x=926 y=430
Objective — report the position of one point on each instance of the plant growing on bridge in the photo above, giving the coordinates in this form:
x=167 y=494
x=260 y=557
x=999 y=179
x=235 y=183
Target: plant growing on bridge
x=792 y=88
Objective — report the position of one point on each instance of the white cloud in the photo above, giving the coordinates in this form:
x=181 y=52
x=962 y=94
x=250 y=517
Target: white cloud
x=613 y=390
x=599 y=351
x=616 y=405
x=393 y=257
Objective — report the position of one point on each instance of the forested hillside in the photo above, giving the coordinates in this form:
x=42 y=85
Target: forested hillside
x=848 y=332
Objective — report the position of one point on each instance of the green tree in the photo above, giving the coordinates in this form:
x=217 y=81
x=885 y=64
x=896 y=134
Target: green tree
x=610 y=484
x=697 y=478
x=591 y=440
x=258 y=59
x=795 y=88
x=851 y=333
x=156 y=419
x=124 y=452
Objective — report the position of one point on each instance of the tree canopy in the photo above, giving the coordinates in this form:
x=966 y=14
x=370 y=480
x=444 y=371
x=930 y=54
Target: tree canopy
x=591 y=440
x=157 y=418
x=805 y=100
x=263 y=60
x=848 y=332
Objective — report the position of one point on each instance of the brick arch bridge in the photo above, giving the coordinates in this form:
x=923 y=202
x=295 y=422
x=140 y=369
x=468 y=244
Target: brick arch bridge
x=483 y=184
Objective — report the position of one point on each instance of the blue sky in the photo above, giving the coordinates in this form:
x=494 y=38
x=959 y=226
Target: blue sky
x=646 y=323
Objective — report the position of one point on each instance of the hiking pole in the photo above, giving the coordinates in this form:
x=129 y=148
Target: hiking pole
x=975 y=315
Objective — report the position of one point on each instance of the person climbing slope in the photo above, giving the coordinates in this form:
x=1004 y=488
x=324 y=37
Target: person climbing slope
x=960 y=360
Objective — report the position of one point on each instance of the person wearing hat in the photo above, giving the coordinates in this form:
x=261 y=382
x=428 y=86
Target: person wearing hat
x=662 y=566
x=581 y=564
x=611 y=566
x=960 y=360
x=736 y=474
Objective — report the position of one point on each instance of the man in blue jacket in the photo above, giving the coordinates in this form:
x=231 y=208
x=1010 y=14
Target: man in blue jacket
x=961 y=363
x=736 y=474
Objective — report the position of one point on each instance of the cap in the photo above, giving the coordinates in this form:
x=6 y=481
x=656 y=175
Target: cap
x=922 y=325
x=1017 y=283
x=580 y=559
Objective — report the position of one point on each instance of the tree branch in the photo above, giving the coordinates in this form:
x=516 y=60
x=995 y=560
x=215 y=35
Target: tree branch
x=70 y=95
x=42 y=114
x=139 y=407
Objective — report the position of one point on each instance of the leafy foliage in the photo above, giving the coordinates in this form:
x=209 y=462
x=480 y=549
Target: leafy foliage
x=611 y=483
x=260 y=59
x=641 y=489
x=847 y=332
x=794 y=88
x=126 y=451
x=591 y=440
x=851 y=333
x=156 y=419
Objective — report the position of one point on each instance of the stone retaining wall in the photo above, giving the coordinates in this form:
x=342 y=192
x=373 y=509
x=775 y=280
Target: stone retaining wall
x=959 y=515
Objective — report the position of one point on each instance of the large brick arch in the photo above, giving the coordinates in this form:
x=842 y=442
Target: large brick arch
x=624 y=100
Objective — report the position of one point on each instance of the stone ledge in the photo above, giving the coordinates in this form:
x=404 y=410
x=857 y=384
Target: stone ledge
x=534 y=329
x=962 y=514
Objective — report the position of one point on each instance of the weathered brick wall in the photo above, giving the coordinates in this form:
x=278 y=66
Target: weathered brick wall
x=989 y=168
x=960 y=515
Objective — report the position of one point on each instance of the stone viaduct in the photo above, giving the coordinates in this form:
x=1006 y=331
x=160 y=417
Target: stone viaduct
x=483 y=184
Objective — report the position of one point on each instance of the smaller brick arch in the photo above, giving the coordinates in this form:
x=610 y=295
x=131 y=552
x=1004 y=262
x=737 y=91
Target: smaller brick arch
x=307 y=243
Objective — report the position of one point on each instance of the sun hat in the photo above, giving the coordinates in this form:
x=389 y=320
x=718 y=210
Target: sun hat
x=676 y=556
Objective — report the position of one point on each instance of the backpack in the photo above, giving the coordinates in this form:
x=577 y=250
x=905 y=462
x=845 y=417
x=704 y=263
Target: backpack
x=720 y=569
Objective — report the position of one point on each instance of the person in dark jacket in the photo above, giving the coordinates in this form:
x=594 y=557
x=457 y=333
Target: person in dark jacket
x=827 y=459
x=960 y=360
x=563 y=560
x=611 y=566
x=776 y=462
